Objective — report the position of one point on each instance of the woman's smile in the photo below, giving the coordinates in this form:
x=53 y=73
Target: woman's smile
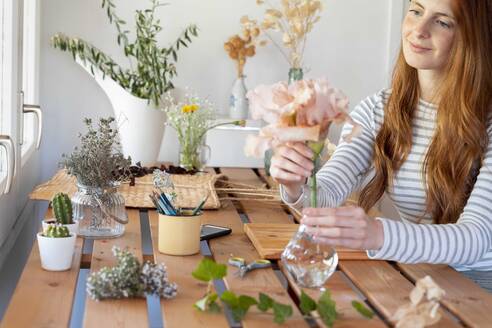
x=418 y=48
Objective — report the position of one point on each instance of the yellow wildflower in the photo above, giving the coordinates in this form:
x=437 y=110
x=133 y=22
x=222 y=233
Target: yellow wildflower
x=190 y=108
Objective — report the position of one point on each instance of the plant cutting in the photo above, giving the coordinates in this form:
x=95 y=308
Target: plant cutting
x=240 y=305
x=62 y=208
x=56 y=247
x=129 y=278
x=191 y=119
x=99 y=167
x=135 y=90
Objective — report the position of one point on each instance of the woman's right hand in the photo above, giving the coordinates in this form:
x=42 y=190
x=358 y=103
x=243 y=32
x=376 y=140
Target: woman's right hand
x=291 y=165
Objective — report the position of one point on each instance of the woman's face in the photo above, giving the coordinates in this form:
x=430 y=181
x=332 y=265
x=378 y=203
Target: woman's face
x=428 y=33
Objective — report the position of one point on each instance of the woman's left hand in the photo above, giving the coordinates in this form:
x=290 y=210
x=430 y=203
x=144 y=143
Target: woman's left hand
x=348 y=226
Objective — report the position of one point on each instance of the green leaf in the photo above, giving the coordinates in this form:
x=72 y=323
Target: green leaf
x=245 y=302
x=362 y=309
x=307 y=304
x=207 y=270
x=266 y=302
x=239 y=305
x=327 y=309
x=230 y=298
x=281 y=312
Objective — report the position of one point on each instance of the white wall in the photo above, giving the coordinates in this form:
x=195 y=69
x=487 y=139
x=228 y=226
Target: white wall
x=350 y=46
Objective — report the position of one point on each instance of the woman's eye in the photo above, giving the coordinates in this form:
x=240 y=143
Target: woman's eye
x=415 y=12
x=443 y=24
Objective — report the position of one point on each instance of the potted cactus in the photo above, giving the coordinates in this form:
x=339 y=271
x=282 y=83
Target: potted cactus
x=56 y=247
x=62 y=208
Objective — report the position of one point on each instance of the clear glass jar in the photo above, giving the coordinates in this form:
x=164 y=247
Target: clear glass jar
x=193 y=153
x=309 y=262
x=96 y=209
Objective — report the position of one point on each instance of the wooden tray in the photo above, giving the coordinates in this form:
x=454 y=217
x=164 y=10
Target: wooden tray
x=270 y=240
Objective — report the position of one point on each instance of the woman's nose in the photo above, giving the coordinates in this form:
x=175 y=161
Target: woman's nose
x=422 y=29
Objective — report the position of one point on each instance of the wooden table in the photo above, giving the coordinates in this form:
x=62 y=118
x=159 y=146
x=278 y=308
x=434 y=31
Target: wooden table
x=58 y=299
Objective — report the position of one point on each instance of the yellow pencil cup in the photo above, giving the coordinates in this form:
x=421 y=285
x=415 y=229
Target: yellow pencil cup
x=179 y=235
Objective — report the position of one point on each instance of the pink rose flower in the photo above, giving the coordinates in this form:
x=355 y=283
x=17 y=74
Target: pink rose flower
x=301 y=111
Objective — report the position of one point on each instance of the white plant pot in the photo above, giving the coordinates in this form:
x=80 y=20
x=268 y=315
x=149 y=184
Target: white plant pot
x=73 y=228
x=56 y=253
x=140 y=124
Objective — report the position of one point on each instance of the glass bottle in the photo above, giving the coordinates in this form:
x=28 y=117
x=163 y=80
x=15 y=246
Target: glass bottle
x=309 y=262
x=100 y=212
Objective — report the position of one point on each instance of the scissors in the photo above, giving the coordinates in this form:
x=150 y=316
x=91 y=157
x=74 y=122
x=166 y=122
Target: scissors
x=246 y=267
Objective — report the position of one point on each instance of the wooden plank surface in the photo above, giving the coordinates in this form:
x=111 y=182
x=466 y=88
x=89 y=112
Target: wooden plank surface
x=464 y=298
x=124 y=312
x=179 y=312
x=385 y=288
x=263 y=280
x=270 y=240
x=43 y=298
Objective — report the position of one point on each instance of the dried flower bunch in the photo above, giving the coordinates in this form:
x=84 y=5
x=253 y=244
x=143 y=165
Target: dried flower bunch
x=423 y=309
x=241 y=46
x=99 y=161
x=130 y=279
x=294 y=19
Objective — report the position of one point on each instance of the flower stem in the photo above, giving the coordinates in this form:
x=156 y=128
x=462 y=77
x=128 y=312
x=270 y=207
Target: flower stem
x=313 y=185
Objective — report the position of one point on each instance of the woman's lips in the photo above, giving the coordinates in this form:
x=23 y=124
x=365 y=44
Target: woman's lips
x=417 y=48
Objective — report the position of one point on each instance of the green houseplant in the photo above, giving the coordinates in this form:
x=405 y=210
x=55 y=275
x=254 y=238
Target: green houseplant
x=62 y=209
x=99 y=167
x=134 y=90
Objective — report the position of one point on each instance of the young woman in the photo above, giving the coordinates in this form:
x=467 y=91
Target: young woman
x=427 y=142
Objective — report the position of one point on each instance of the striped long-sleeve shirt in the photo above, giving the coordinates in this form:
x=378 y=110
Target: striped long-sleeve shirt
x=465 y=245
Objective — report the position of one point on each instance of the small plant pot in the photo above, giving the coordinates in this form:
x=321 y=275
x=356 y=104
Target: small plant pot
x=56 y=253
x=179 y=235
x=73 y=227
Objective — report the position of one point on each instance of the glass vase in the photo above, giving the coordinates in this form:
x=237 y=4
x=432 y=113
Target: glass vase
x=295 y=74
x=100 y=212
x=238 y=103
x=193 y=152
x=309 y=262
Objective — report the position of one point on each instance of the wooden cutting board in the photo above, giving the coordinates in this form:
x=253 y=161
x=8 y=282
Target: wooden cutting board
x=270 y=240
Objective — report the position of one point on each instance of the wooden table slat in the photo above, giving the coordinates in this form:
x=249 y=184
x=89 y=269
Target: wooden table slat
x=124 y=312
x=464 y=298
x=179 y=311
x=385 y=288
x=43 y=297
